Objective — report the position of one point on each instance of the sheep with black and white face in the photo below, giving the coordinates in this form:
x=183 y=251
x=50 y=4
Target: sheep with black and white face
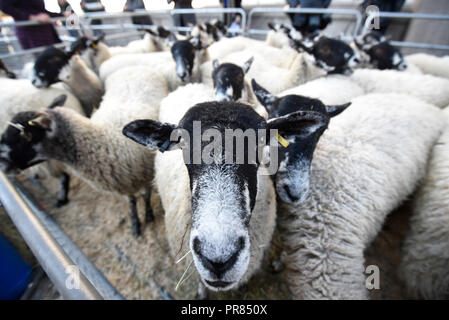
x=382 y=55
x=333 y=55
x=229 y=81
x=94 y=149
x=231 y=220
x=55 y=65
x=179 y=66
x=292 y=177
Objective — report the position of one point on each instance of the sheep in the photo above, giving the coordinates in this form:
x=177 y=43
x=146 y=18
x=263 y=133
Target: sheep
x=83 y=83
x=228 y=250
x=333 y=89
x=425 y=254
x=367 y=162
x=223 y=48
x=151 y=42
x=429 y=64
x=428 y=88
x=301 y=70
x=54 y=65
x=277 y=36
x=381 y=54
x=333 y=55
x=180 y=66
x=19 y=96
x=26 y=71
x=211 y=31
x=93 y=51
x=229 y=83
x=94 y=149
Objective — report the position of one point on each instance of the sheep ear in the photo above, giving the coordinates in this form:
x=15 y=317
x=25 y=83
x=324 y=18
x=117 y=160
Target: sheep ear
x=247 y=64
x=163 y=33
x=334 y=110
x=264 y=97
x=215 y=64
x=299 y=124
x=42 y=121
x=172 y=39
x=197 y=44
x=99 y=38
x=152 y=134
x=147 y=30
x=209 y=28
x=59 y=101
x=272 y=26
x=299 y=44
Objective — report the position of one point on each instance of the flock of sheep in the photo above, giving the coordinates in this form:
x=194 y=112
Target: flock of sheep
x=361 y=127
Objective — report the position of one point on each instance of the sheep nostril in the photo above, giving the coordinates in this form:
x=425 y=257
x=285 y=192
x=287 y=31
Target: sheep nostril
x=197 y=246
x=218 y=267
x=290 y=194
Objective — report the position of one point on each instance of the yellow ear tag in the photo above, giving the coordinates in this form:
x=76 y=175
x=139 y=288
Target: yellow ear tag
x=282 y=141
x=94 y=45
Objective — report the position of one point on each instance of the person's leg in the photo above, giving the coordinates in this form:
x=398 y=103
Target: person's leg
x=41 y=36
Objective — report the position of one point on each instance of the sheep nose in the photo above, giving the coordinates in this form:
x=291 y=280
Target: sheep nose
x=183 y=75
x=292 y=196
x=216 y=266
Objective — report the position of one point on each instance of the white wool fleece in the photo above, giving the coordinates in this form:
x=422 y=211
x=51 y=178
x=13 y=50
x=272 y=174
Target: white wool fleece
x=425 y=255
x=433 y=90
x=367 y=162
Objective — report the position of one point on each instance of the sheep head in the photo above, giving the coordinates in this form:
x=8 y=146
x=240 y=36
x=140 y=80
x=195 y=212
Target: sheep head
x=292 y=177
x=47 y=67
x=228 y=80
x=184 y=53
x=333 y=55
x=223 y=177
x=20 y=144
x=382 y=54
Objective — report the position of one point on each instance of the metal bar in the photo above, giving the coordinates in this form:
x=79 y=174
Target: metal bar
x=404 y=15
x=48 y=252
x=419 y=45
x=136 y=13
x=215 y=10
x=95 y=277
x=28 y=23
x=347 y=12
x=88 y=16
x=51 y=256
x=28 y=51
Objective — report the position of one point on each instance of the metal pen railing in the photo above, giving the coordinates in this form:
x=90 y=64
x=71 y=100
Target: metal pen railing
x=54 y=250
x=346 y=12
x=87 y=18
x=403 y=15
x=215 y=11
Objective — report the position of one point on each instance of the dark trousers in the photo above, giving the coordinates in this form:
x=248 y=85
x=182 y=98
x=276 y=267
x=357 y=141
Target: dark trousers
x=37 y=36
